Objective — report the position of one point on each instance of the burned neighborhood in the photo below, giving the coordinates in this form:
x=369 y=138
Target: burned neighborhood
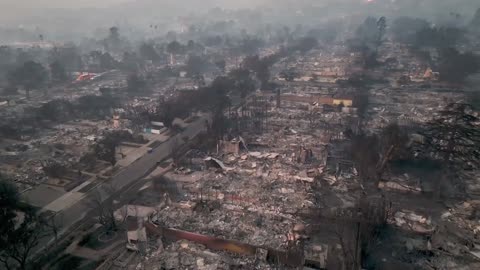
x=336 y=135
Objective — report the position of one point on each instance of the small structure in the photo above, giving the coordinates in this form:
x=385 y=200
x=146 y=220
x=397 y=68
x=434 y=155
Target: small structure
x=346 y=101
x=179 y=123
x=155 y=128
x=215 y=163
x=136 y=234
x=307 y=99
x=304 y=155
x=116 y=121
x=430 y=75
x=135 y=216
x=233 y=146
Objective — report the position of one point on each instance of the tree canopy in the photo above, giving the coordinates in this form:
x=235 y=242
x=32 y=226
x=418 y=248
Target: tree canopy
x=148 y=52
x=370 y=33
x=175 y=47
x=289 y=75
x=31 y=75
x=196 y=65
x=68 y=57
x=475 y=23
x=373 y=153
x=405 y=29
x=136 y=84
x=455 y=66
x=438 y=37
x=453 y=136
x=58 y=72
x=21 y=228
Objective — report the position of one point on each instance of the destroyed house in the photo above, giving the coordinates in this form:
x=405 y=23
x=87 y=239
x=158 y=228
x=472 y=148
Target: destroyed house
x=308 y=99
x=320 y=100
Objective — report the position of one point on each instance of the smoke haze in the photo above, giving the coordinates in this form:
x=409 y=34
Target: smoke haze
x=66 y=19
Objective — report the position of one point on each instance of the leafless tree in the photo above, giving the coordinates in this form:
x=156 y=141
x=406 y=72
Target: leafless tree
x=364 y=151
x=22 y=241
x=53 y=168
x=352 y=230
x=345 y=234
x=21 y=228
x=372 y=153
x=454 y=138
x=392 y=141
x=102 y=203
x=175 y=149
x=314 y=118
x=53 y=222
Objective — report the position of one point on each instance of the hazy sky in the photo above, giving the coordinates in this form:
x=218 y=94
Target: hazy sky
x=15 y=4
x=19 y=9
x=36 y=12
x=58 y=3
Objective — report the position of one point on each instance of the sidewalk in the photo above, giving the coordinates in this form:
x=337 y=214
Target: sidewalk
x=70 y=198
x=137 y=153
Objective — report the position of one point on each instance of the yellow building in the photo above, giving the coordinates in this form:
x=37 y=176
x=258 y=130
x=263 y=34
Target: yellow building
x=347 y=102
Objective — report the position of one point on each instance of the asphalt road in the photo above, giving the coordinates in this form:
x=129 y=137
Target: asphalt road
x=67 y=218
